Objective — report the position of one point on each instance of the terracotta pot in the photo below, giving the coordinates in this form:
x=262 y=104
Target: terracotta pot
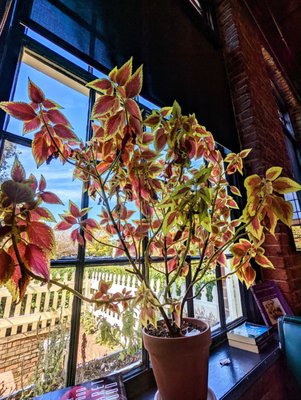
x=180 y=364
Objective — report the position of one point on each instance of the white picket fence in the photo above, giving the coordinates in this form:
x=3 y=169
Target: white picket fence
x=204 y=309
x=45 y=306
x=41 y=307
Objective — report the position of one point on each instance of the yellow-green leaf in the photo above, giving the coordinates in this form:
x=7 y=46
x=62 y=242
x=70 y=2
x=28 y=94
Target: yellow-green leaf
x=285 y=185
x=273 y=173
x=283 y=210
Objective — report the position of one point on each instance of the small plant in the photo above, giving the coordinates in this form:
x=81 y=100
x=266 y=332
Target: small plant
x=49 y=372
x=166 y=166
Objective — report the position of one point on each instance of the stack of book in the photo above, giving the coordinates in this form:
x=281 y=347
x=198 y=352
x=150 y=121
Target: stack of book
x=250 y=337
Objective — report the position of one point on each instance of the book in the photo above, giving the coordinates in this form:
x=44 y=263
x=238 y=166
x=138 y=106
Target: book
x=270 y=302
x=107 y=388
x=249 y=333
x=254 y=348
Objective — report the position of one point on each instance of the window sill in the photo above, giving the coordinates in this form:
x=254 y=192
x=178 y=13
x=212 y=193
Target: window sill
x=229 y=382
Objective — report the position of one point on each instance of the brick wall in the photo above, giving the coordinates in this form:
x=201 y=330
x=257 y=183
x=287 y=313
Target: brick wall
x=18 y=355
x=249 y=67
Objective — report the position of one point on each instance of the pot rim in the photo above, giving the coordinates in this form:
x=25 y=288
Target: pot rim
x=205 y=331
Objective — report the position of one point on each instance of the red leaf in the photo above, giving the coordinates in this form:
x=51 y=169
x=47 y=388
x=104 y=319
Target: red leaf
x=148 y=154
x=50 y=104
x=133 y=108
x=44 y=213
x=147 y=138
x=134 y=84
x=35 y=93
x=42 y=184
x=18 y=110
x=17 y=192
x=41 y=235
x=161 y=139
x=74 y=210
x=91 y=223
x=18 y=172
x=102 y=167
x=32 y=182
x=56 y=117
x=50 y=198
x=37 y=260
x=103 y=105
x=77 y=237
x=70 y=219
x=123 y=73
x=6 y=266
x=31 y=125
x=249 y=275
x=63 y=226
x=64 y=132
x=40 y=148
x=172 y=264
x=152 y=120
x=102 y=85
x=114 y=123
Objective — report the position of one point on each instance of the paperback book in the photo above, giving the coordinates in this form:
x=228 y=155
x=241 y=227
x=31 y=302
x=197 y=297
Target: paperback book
x=249 y=333
x=254 y=348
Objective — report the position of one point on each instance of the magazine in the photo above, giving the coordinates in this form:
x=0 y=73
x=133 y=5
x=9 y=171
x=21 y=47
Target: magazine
x=107 y=388
x=270 y=302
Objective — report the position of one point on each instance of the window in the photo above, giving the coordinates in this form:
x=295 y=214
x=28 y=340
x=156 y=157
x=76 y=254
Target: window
x=63 y=80
x=294 y=156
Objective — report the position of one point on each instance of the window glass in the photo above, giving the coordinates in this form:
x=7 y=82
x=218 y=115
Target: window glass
x=68 y=94
x=56 y=48
x=58 y=180
x=34 y=336
x=206 y=301
x=231 y=291
x=109 y=341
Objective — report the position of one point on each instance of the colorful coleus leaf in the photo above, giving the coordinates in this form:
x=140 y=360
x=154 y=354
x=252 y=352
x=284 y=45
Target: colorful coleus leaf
x=65 y=132
x=18 y=171
x=76 y=236
x=40 y=147
x=273 y=173
x=18 y=110
x=37 y=260
x=285 y=185
x=31 y=125
x=41 y=235
x=124 y=73
x=104 y=105
x=6 y=266
x=35 y=94
x=43 y=213
x=102 y=85
x=50 y=198
x=56 y=117
x=169 y=221
x=283 y=210
x=17 y=192
x=51 y=105
x=113 y=124
x=134 y=85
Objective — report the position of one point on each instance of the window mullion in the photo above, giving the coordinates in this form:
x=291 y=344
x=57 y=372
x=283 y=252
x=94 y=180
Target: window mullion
x=78 y=279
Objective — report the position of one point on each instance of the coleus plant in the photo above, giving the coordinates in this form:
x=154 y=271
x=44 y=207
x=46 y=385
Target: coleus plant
x=165 y=164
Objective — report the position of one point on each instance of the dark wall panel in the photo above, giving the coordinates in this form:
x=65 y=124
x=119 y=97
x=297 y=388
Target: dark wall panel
x=180 y=62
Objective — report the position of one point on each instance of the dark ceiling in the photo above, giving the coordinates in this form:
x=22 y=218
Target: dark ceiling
x=280 y=22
